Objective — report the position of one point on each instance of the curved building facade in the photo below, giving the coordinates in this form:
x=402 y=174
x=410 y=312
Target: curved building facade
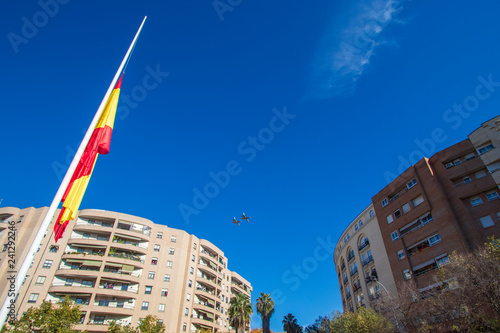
x=361 y=263
x=121 y=268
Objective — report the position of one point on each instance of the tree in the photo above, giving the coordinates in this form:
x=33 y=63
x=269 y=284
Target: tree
x=364 y=321
x=464 y=297
x=240 y=310
x=150 y=324
x=290 y=324
x=117 y=328
x=265 y=307
x=47 y=318
x=321 y=325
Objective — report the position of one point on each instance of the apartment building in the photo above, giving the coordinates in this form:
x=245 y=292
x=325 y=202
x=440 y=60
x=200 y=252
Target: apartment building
x=121 y=268
x=448 y=202
x=361 y=263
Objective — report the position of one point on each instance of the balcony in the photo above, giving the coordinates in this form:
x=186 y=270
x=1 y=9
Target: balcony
x=364 y=245
x=351 y=256
x=129 y=240
x=419 y=223
x=125 y=255
x=134 y=228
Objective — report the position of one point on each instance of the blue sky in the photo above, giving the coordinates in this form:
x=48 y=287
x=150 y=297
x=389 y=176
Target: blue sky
x=302 y=111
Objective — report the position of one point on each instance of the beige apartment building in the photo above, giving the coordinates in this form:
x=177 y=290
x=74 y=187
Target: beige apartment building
x=361 y=263
x=121 y=268
x=448 y=202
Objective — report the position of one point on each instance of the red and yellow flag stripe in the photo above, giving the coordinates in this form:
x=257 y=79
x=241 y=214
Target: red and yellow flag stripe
x=99 y=144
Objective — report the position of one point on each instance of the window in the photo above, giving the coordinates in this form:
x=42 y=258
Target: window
x=412 y=183
x=164 y=292
x=145 y=305
x=161 y=308
x=69 y=281
x=397 y=214
x=442 y=261
x=186 y=311
x=103 y=302
x=467 y=180
x=33 y=298
x=169 y=264
x=166 y=278
x=124 y=287
x=87 y=283
x=171 y=251
x=40 y=281
x=159 y=235
x=154 y=261
x=407 y=274
x=190 y=284
x=384 y=202
x=470 y=156
x=194 y=246
x=394 y=235
x=457 y=161
x=401 y=254
x=427 y=219
x=348 y=236
x=390 y=219
x=148 y=290
x=191 y=270
x=173 y=239
x=476 y=201
x=184 y=327
x=417 y=201
x=434 y=240
x=151 y=275
x=188 y=297
x=492 y=195
x=47 y=264
x=356 y=227
x=480 y=174
x=157 y=248
x=487 y=221
x=406 y=208
x=193 y=257
x=484 y=149
x=86 y=235
x=372 y=213
x=53 y=248
x=448 y=165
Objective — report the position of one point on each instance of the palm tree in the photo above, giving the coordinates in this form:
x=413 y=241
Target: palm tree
x=240 y=310
x=265 y=306
x=290 y=324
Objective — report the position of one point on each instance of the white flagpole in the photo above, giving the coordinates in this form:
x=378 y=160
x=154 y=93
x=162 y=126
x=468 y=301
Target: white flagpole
x=9 y=303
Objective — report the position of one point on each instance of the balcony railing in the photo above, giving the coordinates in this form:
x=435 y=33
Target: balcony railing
x=124 y=255
x=354 y=272
x=343 y=266
x=350 y=257
x=417 y=225
x=364 y=245
x=119 y=271
x=206 y=318
x=205 y=304
x=123 y=241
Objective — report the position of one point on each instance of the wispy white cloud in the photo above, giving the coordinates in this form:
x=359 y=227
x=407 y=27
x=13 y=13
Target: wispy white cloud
x=346 y=52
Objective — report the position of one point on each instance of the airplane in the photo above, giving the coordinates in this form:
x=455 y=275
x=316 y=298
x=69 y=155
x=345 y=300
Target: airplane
x=246 y=218
x=236 y=221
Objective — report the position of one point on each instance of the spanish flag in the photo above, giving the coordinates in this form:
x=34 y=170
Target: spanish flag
x=98 y=144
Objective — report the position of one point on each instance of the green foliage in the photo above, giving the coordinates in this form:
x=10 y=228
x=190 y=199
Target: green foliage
x=240 y=310
x=47 y=318
x=117 y=328
x=364 y=321
x=290 y=324
x=265 y=307
x=150 y=324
